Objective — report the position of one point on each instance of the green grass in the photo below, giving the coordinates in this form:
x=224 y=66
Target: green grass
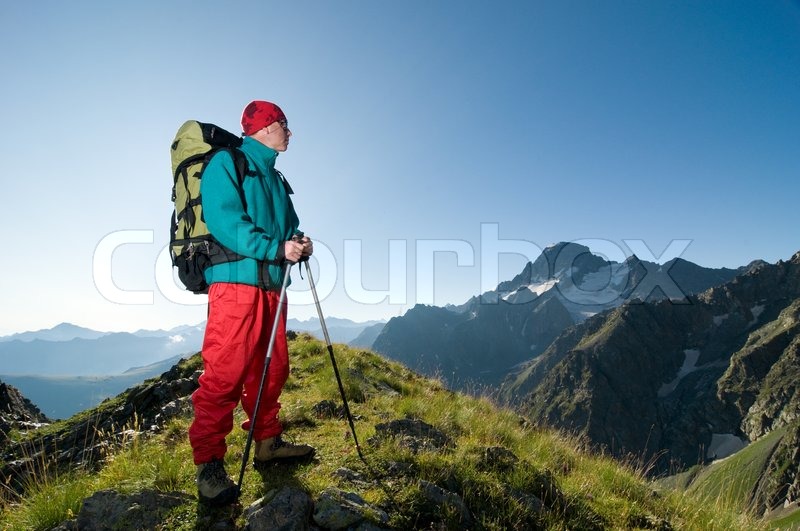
x=581 y=489
x=791 y=522
x=731 y=481
x=49 y=503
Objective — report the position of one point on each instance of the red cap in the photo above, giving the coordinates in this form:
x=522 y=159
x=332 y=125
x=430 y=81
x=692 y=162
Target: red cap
x=259 y=114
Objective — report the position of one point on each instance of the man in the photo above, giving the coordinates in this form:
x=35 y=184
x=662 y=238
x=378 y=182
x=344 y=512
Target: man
x=256 y=220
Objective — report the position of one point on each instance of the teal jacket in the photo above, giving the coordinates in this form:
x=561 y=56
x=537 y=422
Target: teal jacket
x=254 y=224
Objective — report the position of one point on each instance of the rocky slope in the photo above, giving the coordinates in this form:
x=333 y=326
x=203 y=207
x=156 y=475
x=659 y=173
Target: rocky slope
x=763 y=378
x=677 y=383
x=86 y=439
x=17 y=413
x=476 y=348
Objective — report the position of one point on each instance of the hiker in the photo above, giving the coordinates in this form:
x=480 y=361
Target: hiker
x=256 y=220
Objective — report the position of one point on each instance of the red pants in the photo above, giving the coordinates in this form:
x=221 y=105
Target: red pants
x=237 y=334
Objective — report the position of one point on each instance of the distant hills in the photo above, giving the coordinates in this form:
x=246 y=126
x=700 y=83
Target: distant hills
x=83 y=352
x=61 y=332
x=70 y=350
x=69 y=368
x=339 y=330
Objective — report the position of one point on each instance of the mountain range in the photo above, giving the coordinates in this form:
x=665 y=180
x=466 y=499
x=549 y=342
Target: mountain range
x=476 y=345
x=675 y=383
x=60 y=332
x=68 y=368
x=70 y=350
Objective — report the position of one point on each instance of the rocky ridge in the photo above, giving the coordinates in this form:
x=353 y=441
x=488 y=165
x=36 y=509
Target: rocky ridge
x=88 y=438
x=17 y=413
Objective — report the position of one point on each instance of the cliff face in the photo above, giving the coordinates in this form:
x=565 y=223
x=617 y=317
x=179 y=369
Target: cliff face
x=763 y=379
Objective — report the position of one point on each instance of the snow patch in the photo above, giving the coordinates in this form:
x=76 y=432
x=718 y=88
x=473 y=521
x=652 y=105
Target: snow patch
x=756 y=310
x=689 y=366
x=176 y=339
x=718 y=319
x=723 y=445
x=538 y=289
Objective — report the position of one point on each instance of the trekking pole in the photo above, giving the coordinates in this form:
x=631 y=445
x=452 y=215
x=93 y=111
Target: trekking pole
x=333 y=361
x=286 y=269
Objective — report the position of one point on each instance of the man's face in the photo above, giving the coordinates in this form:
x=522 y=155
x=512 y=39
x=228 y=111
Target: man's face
x=275 y=136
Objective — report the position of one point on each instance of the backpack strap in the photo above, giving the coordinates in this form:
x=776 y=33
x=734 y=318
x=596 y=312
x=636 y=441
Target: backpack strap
x=241 y=167
x=218 y=253
x=240 y=164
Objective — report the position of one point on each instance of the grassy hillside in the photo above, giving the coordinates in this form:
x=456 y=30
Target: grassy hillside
x=577 y=490
x=736 y=476
x=733 y=479
x=738 y=479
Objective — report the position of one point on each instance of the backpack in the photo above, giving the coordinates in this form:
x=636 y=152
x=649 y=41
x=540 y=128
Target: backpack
x=192 y=248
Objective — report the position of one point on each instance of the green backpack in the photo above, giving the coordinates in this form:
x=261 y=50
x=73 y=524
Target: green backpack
x=192 y=247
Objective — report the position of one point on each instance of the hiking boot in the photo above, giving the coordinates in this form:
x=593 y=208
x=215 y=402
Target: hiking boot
x=275 y=449
x=214 y=487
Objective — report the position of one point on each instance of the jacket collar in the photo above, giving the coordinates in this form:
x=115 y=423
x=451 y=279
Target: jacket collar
x=263 y=156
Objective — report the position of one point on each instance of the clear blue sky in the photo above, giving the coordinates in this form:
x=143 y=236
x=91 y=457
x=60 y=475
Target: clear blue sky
x=418 y=126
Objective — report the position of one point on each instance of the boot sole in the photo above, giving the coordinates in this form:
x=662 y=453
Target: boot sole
x=226 y=497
